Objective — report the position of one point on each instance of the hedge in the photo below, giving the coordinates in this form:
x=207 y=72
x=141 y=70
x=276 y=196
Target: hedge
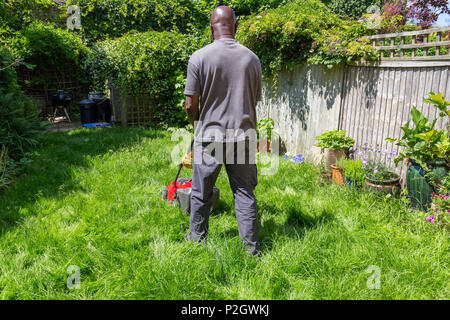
x=19 y=122
x=51 y=49
x=152 y=63
x=103 y=19
x=303 y=30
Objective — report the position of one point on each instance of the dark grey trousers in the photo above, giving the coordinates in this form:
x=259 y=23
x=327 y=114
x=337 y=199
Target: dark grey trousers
x=242 y=175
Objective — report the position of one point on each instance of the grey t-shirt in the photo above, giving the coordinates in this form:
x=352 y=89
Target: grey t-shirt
x=227 y=77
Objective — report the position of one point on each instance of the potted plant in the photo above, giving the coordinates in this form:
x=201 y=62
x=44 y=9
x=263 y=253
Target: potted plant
x=354 y=173
x=337 y=170
x=334 y=144
x=426 y=150
x=264 y=133
x=380 y=177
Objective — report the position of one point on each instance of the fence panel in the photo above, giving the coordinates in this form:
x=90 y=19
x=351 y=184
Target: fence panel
x=378 y=100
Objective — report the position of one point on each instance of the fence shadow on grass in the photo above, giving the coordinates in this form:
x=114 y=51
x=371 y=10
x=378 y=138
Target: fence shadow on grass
x=49 y=174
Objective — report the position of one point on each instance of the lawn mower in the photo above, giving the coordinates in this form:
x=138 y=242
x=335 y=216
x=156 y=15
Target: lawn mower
x=178 y=193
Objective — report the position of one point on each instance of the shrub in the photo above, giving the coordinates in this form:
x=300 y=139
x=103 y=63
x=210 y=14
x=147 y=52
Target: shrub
x=51 y=49
x=354 y=171
x=102 y=19
x=152 y=63
x=299 y=30
x=19 y=13
x=240 y=7
x=352 y=8
x=335 y=140
x=422 y=143
x=19 y=122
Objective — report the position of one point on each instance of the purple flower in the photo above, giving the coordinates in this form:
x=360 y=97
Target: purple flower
x=297 y=159
x=364 y=163
x=375 y=170
x=350 y=155
x=430 y=219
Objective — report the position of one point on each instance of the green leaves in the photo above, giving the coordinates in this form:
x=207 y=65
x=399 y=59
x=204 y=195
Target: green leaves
x=303 y=30
x=335 y=139
x=418 y=118
x=264 y=128
x=439 y=101
x=151 y=63
x=19 y=122
x=424 y=144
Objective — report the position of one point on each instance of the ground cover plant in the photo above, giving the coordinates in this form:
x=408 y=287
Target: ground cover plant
x=91 y=198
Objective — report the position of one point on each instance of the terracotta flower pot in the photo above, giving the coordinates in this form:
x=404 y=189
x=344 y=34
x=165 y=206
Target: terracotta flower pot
x=263 y=146
x=337 y=174
x=330 y=157
x=391 y=186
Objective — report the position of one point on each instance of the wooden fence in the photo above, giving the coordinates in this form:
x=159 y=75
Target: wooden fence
x=369 y=100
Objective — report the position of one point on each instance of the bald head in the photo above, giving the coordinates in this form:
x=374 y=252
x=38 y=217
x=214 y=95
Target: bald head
x=223 y=23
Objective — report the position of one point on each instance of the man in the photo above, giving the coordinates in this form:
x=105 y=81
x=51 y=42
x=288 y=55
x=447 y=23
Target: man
x=226 y=77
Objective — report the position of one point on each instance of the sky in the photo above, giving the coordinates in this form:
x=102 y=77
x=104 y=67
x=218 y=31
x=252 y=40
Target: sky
x=443 y=21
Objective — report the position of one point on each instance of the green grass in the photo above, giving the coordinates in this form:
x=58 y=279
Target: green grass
x=91 y=198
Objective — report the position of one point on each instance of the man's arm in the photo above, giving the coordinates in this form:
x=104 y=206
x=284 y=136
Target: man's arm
x=191 y=107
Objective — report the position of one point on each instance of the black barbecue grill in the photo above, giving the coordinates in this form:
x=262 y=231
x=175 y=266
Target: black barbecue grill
x=60 y=101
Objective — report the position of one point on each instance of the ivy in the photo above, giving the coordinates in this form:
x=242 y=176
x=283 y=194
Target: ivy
x=103 y=19
x=303 y=30
x=152 y=63
x=51 y=49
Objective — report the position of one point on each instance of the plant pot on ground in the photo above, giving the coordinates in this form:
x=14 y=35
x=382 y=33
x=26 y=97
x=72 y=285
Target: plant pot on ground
x=421 y=183
x=337 y=174
x=334 y=144
x=337 y=170
x=379 y=177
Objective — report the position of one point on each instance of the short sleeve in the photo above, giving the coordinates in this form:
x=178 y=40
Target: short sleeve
x=192 y=80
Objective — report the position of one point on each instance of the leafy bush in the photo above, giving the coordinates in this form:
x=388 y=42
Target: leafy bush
x=354 y=171
x=378 y=171
x=424 y=144
x=152 y=63
x=335 y=140
x=51 y=49
x=352 y=8
x=19 y=122
x=299 y=30
x=264 y=129
x=240 y=7
x=19 y=13
x=102 y=19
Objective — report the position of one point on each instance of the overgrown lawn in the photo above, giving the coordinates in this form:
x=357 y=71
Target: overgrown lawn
x=91 y=198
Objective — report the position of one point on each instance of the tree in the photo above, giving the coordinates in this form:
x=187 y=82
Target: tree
x=426 y=12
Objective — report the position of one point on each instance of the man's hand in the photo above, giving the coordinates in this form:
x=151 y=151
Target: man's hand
x=191 y=107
